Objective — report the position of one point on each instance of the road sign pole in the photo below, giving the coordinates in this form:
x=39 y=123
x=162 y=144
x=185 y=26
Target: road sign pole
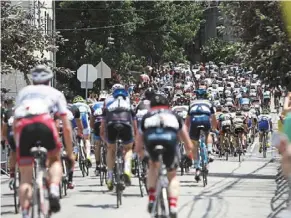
x=102 y=77
x=86 y=82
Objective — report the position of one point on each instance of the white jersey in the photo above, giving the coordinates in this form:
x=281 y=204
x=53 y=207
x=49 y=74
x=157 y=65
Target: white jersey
x=39 y=99
x=83 y=107
x=263 y=117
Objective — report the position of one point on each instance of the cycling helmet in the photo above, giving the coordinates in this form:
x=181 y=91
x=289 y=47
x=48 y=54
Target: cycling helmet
x=78 y=98
x=120 y=92
x=200 y=93
x=218 y=108
x=149 y=93
x=159 y=100
x=41 y=74
x=238 y=113
x=117 y=86
x=265 y=111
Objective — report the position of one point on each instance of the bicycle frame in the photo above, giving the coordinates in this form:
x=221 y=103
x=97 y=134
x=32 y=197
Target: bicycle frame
x=161 y=191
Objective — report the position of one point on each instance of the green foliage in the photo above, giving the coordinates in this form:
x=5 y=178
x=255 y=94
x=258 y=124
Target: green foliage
x=218 y=50
x=144 y=32
x=260 y=26
x=23 y=44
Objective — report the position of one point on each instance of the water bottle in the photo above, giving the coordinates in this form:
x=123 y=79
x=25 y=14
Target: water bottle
x=76 y=149
x=287 y=126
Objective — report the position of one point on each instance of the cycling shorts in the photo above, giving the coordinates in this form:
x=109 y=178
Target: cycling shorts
x=168 y=139
x=125 y=134
x=34 y=129
x=263 y=125
x=196 y=121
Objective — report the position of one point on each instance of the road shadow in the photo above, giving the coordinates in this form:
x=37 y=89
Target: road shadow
x=216 y=194
x=279 y=202
x=242 y=176
x=94 y=191
x=102 y=206
x=3 y=213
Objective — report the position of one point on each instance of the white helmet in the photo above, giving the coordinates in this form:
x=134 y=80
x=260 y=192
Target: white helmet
x=41 y=73
x=117 y=86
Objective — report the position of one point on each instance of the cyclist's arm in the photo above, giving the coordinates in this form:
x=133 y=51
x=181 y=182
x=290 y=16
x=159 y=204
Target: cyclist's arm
x=67 y=128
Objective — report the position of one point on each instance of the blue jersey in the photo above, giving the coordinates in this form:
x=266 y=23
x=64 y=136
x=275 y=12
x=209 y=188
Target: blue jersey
x=201 y=107
x=85 y=112
x=97 y=110
x=245 y=101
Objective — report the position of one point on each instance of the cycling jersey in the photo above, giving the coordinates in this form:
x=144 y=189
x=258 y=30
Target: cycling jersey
x=97 y=111
x=181 y=111
x=245 y=101
x=264 y=121
x=142 y=108
x=200 y=112
x=160 y=127
x=85 y=113
x=118 y=111
x=73 y=114
x=34 y=123
x=267 y=95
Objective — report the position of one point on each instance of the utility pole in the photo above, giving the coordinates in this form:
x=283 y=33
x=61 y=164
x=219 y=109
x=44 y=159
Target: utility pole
x=53 y=33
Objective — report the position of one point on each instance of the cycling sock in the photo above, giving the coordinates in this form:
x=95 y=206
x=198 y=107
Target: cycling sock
x=70 y=175
x=173 y=203
x=110 y=174
x=54 y=189
x=25 y=213
x=196 y=164
x=152 y=195
x=210 y=147
x=88 y=148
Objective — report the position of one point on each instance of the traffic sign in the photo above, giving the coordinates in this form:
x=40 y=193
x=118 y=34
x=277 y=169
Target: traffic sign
x=89 y=85
x=87 y=72
x=103 y=71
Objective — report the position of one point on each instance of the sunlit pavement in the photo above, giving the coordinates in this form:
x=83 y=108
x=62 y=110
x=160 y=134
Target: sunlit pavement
x=234 y=190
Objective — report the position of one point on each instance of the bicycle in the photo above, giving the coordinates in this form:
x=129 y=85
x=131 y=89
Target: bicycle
x=118 y=168
x=277 y=104
x=264 y=144
x=82 y=158
x=103 y=168
x=184 y=164
x=40 y=203
x=15 y=187
x=203 y=154
x=161 y=206
x=141 y=168
x=65 y=179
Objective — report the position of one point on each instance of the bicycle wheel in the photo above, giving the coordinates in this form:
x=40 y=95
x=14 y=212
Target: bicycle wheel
x=264 y=146
x=226 y=142
x=15 y=190
x=165 y=203
x=139 y=174
x=239 y=150
x=102 y=166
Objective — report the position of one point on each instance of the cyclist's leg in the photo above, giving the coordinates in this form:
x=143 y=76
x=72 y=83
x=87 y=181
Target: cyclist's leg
x=110 y=155
x=260 y=141
x=97 y=142
x=12 y=158
x=87 y=143
x=195 y=135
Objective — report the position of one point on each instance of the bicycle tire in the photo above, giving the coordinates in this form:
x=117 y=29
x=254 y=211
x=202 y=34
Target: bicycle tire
x=15 y=194
x=264 y=146
x=140 y=182
x=101 y=176
x=165 y=203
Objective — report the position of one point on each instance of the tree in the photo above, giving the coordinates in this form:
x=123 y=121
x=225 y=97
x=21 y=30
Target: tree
x=218 y=50
x=22 y=42
x=260 y=26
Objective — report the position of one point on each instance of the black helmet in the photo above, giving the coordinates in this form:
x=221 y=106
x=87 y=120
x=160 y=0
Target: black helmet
x=149 y=93
x=159 y=100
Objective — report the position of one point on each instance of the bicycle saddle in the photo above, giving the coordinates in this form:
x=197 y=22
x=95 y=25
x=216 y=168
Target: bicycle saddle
x=38 y=151
x=159 y=149
x=118 y=126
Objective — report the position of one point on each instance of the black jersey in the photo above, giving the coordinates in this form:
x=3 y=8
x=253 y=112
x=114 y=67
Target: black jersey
x=142 y=108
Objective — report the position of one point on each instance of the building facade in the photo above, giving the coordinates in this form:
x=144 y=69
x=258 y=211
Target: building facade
x=42 y=14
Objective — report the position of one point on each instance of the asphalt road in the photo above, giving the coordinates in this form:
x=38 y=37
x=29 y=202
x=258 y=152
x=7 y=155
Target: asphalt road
x=235 y=190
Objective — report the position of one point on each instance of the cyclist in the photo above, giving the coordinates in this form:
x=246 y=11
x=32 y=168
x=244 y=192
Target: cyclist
x=161 y=126
x=7 y=136
x=264 y=125
x=33 y=123
x=266 y=98
x=224 y=124
x=201 y=112
x=85 y=112
x=144 y=105
x=240 y=128
x=95 y=123
x=118 y=110
x=74 y=116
